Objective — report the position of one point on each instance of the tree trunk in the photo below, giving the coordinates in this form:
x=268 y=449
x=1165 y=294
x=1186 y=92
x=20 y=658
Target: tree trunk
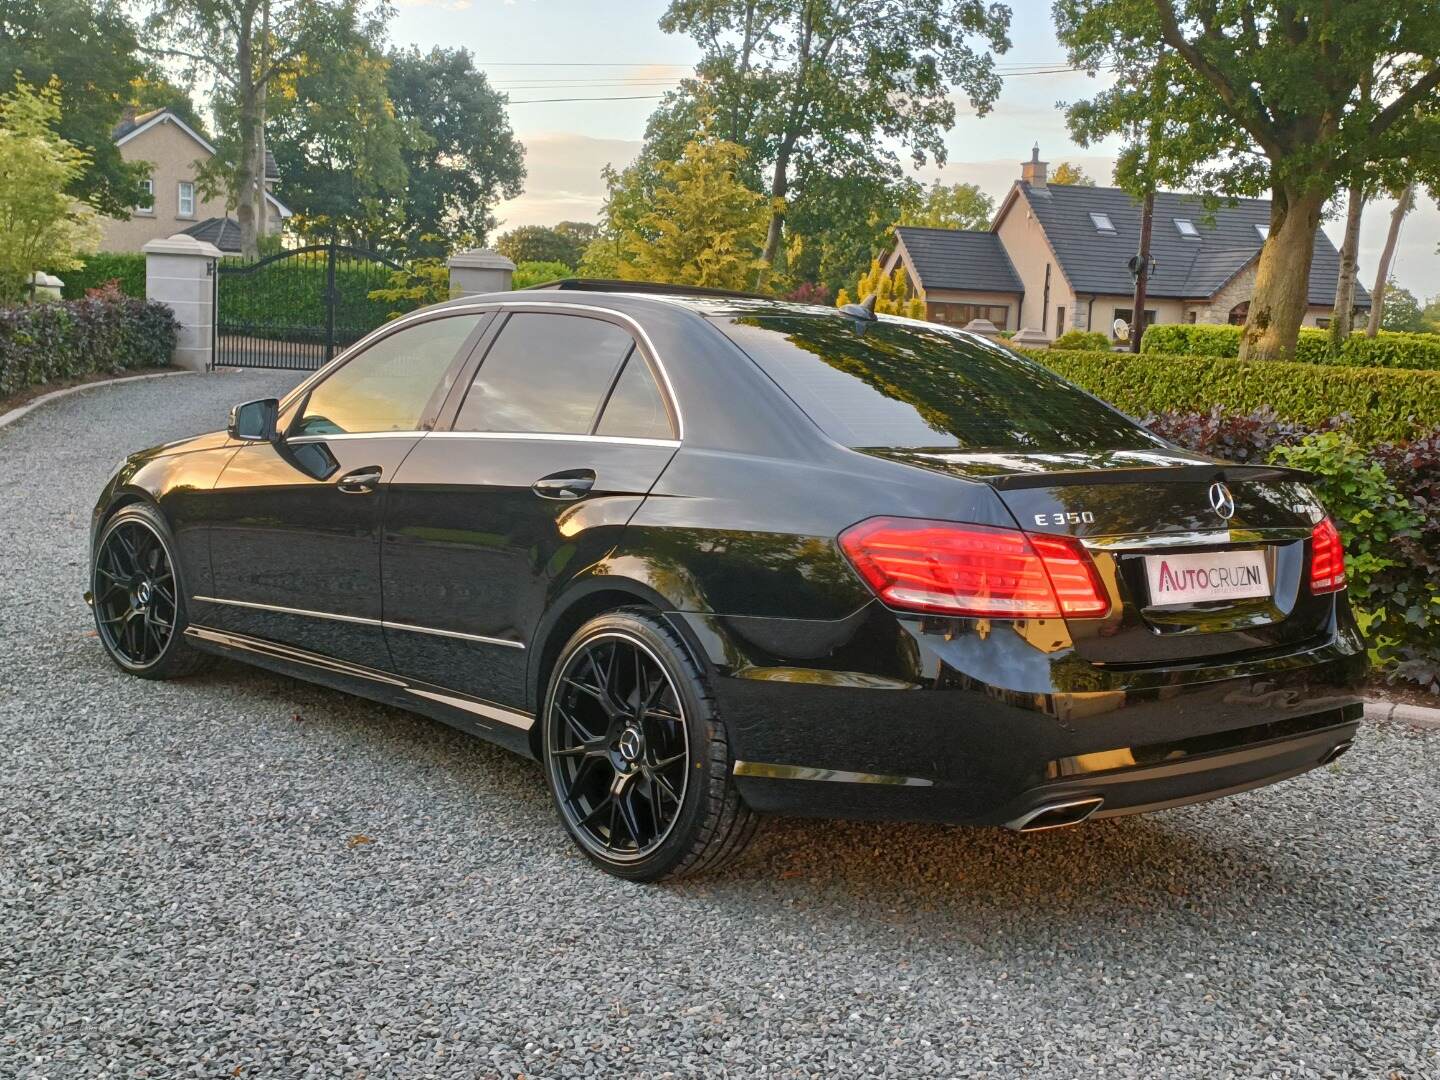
x=1142 y=274
x=245 y=159
x=1282 y=280
x=261 y=93
x=1342 y=319
x=779 y=186
x=1382 y=276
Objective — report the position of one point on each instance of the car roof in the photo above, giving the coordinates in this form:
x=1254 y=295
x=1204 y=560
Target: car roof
x=630 y=296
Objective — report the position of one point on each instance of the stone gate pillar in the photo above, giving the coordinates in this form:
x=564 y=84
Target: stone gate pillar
x=480 y=271
x=179 y=273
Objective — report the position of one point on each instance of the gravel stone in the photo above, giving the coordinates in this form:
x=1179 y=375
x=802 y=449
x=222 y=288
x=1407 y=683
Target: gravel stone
x=184 y=890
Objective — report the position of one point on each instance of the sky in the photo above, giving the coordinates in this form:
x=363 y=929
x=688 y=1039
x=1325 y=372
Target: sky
x=538 y=51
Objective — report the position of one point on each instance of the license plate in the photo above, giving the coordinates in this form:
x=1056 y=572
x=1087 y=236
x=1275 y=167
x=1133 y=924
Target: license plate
x=1216 y=575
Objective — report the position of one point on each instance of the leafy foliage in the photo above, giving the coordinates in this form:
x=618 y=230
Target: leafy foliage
x=1246 y=437
x=540 y=243
x=891 y=291
x=125 y=268
x=1414 y=596
x=1072 y=175
x=1386 y=349
x=538 y=272
x=1092 y=340
x=1402 y=311
x=468 y=158
x=44 y=343
x=41 y=226
x=89 y=48
x=951 y=206
x=1383 y=404
x=424 y=281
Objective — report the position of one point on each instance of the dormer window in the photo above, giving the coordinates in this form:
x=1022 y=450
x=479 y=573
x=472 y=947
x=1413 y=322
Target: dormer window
x=1103 y=223
x=1264 y=231
x=1186 y=227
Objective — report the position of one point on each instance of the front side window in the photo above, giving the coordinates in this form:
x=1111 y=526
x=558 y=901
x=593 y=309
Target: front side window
x=186 y=199
x=386 y=387
x=907 y=386
x=546 y=374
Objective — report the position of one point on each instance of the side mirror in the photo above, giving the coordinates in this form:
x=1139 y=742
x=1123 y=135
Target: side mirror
x=254 y=421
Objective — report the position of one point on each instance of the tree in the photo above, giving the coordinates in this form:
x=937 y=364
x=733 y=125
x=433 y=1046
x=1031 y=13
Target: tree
x=702 y=225
x=1071 y=174
x=152 y=90
x=242 y=47
x=539 y=243
x=891 y=292
x=1430 y=316
x=951 y=206
x=339 y=145
x=1261 y=95
x=41 y=226
x=1402 y=310
x=841 y=219
x=1404 y=200
x=580 y=234
x=89 y=47
x=469 y=159
x=788 y=77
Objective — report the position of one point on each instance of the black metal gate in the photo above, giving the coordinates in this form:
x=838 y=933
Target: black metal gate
x=299 y=308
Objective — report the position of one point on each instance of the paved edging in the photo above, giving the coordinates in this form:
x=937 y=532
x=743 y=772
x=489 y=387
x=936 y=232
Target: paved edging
x=30 y=406
x=1389 y=712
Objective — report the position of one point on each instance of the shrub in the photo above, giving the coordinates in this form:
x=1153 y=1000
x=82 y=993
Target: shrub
x=126 y=268
x=1386 y=349
x=1246 y=437
x=538 y=273
x=1383 y=404
x=41 y=343
x=1414 y=595
x=1091 y=340
x=423 y=282
x=286 y=299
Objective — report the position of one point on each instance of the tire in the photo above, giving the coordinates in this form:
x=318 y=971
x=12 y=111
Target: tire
x=683 y=818
x=137 y=591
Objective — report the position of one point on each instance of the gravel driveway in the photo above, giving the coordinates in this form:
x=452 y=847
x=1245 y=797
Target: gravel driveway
x=245 y=875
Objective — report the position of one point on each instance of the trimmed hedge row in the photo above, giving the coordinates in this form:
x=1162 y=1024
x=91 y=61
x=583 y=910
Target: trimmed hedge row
x=1385 y=349
x=1382 y=404
x=126 y=268
x=67 y=339
x=280 y=299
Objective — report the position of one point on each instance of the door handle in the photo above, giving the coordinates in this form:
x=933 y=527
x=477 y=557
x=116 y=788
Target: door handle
x=565 y=486
x=360 y=481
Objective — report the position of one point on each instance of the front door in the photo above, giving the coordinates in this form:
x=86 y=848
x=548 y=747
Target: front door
x=556 y=440
x=295 y=524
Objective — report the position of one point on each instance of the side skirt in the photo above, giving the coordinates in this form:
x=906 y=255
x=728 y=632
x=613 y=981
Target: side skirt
x=500 y=724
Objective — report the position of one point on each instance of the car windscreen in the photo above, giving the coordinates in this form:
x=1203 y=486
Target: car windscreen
x=887 y=384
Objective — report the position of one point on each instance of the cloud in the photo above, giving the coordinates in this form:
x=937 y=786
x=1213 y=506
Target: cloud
x=563 y=181
x=441 y=5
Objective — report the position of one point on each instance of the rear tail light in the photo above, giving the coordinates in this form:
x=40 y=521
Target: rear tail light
x=975 y=570
x=1327 y=559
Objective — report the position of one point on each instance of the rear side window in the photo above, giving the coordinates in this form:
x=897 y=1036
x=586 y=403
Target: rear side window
x=908 y=386
x=386 y=387
x=545 y=374
x=635 y=409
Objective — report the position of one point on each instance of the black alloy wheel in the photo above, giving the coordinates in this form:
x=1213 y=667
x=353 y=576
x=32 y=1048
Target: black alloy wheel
x=135 y=593
x=637 y=762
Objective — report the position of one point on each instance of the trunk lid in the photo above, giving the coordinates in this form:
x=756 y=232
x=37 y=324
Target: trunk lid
x=1177 y=567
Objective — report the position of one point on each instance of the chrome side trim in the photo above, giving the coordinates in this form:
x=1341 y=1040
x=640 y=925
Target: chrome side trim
x=452 y=634
x=286 y=652
x=1200 y=538
x=541 y=436
x=288 y=610
x=520 y=720
x=383 y=623
x=335 y=436
x=804 y=772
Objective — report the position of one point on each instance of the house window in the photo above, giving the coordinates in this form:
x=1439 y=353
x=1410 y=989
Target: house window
x=186 y=199
x=1239 y=314
x=1264 y=231
x=961 y=314
x=148 y=186
x=1190 y=317
x=1125 y=315
x=1059 y=321
x=1103 y=223
x=1186 y=227
x=1323 y=322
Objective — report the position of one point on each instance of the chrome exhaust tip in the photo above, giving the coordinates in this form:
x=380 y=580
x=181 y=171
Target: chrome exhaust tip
x=1336 y=751
x=1057 y=815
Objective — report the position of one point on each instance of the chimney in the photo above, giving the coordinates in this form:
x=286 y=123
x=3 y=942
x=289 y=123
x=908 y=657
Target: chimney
x=1033 y=171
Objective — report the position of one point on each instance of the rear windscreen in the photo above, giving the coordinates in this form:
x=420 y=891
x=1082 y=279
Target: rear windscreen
x=902 y=385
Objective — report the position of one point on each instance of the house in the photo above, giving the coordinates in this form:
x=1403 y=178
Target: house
x=1057 y=258
x=174 y=149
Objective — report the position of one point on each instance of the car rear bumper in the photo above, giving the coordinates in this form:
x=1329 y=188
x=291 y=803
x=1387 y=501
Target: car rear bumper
x=961 y=749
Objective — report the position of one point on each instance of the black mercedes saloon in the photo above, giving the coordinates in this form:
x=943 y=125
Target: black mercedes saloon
x=708 y=557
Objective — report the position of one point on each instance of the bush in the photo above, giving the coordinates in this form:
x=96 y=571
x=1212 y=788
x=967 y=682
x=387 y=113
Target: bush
x=1246 y=437
x=1091 y=340
x=1386 y=349
x=42 y=343
x=1413 y=590
x=1383 y=404
x=286 y=299
x=125 y=268
x=538 y=273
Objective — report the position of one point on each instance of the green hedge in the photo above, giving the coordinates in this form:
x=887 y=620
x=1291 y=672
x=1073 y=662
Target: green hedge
x=1386 y=349
x=1383 y=404
x=67 y=339
x=286 y=299
x=1090 y=340
x=126 y=267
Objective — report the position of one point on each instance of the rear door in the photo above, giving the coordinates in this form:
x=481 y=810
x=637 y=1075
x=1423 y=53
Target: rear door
x=553 y=440
x=295 y=524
